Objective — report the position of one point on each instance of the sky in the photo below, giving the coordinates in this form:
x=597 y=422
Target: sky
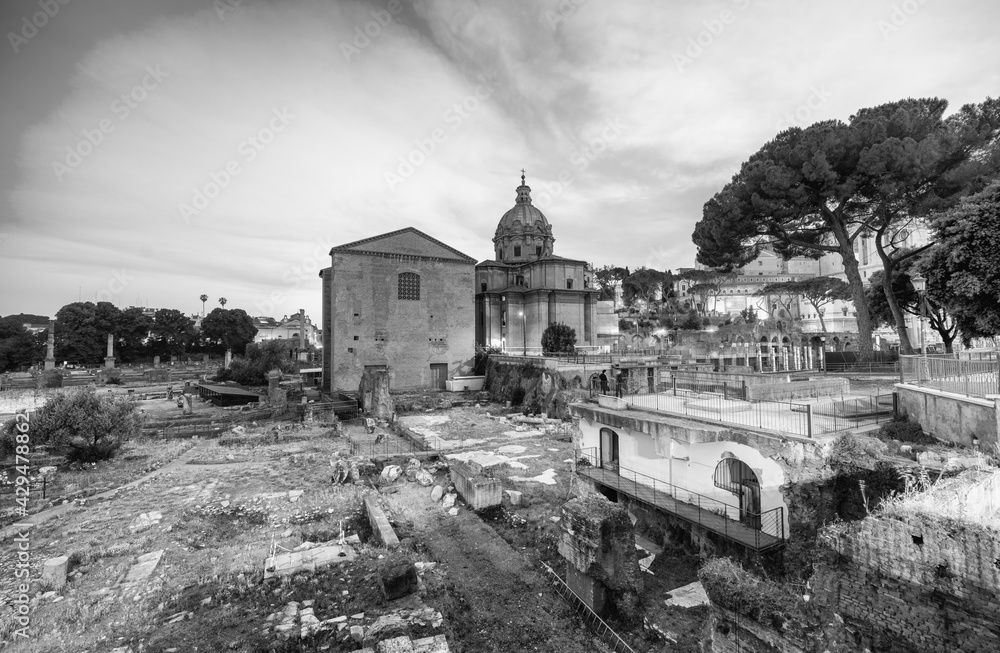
x=157 y=151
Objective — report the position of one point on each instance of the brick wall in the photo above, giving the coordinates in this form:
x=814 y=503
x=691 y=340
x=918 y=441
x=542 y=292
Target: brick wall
x=932 y=585
x=407 y=336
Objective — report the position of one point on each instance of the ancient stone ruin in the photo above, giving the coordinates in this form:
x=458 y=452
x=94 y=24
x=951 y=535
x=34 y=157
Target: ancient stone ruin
x=602 y=566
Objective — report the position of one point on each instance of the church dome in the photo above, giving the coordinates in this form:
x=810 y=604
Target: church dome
x=523 y=234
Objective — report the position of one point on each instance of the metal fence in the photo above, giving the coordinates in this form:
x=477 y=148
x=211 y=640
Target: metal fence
x=971 y=373
x=857 y=367
x=725 y=403
x=388 y=445
x=758 y=530
x=600 y=628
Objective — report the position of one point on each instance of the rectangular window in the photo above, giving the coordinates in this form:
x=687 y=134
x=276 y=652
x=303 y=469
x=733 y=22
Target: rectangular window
x=355 y=337
x=517 y=250
x=538 y=250
x=569 y=284
x=482 y=286
x=408 y=286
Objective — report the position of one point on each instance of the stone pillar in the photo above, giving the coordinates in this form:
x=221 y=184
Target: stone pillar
x=797 y=360
x=156 y=362
x=54 y=572
x=784 y=359
x=229 y=358
x=302 y=329
x=598 y=543
x=809 y=357
x=109 y=360
x=188 y=409
x=375 y=397
x=773 y=356
x=276 y=395
x=760 y=359
x=205 y=358
x=50 y=355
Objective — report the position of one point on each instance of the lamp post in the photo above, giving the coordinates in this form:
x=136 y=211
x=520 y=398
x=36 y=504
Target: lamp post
x=524 y=334
x=920 y=285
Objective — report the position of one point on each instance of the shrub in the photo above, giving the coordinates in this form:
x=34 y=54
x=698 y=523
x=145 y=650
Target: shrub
x=258 y=360
x=559 y=338
x=517 y=396
x=902 y=429
x=732 y=587
x=85 y=426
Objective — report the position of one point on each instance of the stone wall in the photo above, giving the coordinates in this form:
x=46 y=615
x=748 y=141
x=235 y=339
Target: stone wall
x=477 y=490
x=932 y=584
x=947 y=416
x=800 y=390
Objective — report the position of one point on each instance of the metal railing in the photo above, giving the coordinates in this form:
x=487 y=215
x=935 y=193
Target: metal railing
x=781 y=417
x=851 y=413
x=975 y=377
x=598 y=625
x=857 y=367
x=759 y=530
x=389 y=445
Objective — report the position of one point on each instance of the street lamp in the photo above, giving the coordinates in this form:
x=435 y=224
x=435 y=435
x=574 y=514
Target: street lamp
x=920 y=285
x=524 y=334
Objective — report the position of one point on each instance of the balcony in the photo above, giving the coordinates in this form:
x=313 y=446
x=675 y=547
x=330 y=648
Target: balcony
x=757 y=531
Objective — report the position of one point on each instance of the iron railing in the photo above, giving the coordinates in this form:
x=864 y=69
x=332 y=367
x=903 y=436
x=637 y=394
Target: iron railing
x=757 y=530
x=598 y=625
x=389 y=445
x=780 y=417
x=858 y=367
x=972 y=376
x=852 y=413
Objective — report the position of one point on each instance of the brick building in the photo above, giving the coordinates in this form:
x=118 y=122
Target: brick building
x=402 y=301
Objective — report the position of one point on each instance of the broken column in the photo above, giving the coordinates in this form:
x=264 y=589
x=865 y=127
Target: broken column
x=50 y=354
x=54 y=572
x=277 y=397
x=598 y=543
x=229 y=359
x=109 y=360
x=375 y=397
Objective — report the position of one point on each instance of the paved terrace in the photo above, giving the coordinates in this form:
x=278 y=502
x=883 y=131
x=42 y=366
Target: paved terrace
x=804 y=418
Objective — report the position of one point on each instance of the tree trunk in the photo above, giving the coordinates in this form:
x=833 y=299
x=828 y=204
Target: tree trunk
x=865 y=344
x=905 y=346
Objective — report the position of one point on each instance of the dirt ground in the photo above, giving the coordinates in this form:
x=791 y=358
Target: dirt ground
x=222 y=513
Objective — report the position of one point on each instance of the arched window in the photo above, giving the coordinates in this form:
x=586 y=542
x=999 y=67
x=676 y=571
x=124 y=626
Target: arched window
x=409 y=286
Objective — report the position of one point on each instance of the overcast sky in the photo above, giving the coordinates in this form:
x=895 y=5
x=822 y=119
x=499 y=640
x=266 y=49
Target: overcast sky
x=155 y=151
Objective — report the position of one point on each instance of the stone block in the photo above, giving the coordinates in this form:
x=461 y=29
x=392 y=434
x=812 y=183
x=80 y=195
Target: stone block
x=400 y=644
x=478 y=491
x=54 y=571
x=515 y=497
x=144 y=567
x=435 y=644
x=591 y=591
x=398 y=581
x=380 y=523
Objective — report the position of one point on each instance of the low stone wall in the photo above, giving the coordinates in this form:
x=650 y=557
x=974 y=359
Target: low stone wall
x=733 y=378
x=799 y=390
x=477 y=490
x=948 y=416
x=381 y=528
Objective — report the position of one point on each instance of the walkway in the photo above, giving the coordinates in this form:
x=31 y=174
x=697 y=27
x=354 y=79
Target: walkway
x=711 y=521
x=57 y=511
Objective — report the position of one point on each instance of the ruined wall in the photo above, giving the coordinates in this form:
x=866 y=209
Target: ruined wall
x=949 y=417
x=545 y=389
x=931 y=584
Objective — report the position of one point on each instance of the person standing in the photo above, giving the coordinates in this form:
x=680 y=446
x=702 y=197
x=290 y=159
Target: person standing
x=604 y=383
x=620 y=384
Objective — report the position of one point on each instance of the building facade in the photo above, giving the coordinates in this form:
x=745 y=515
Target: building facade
x=298 y=327
x=526 y=287
x=400 y=301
